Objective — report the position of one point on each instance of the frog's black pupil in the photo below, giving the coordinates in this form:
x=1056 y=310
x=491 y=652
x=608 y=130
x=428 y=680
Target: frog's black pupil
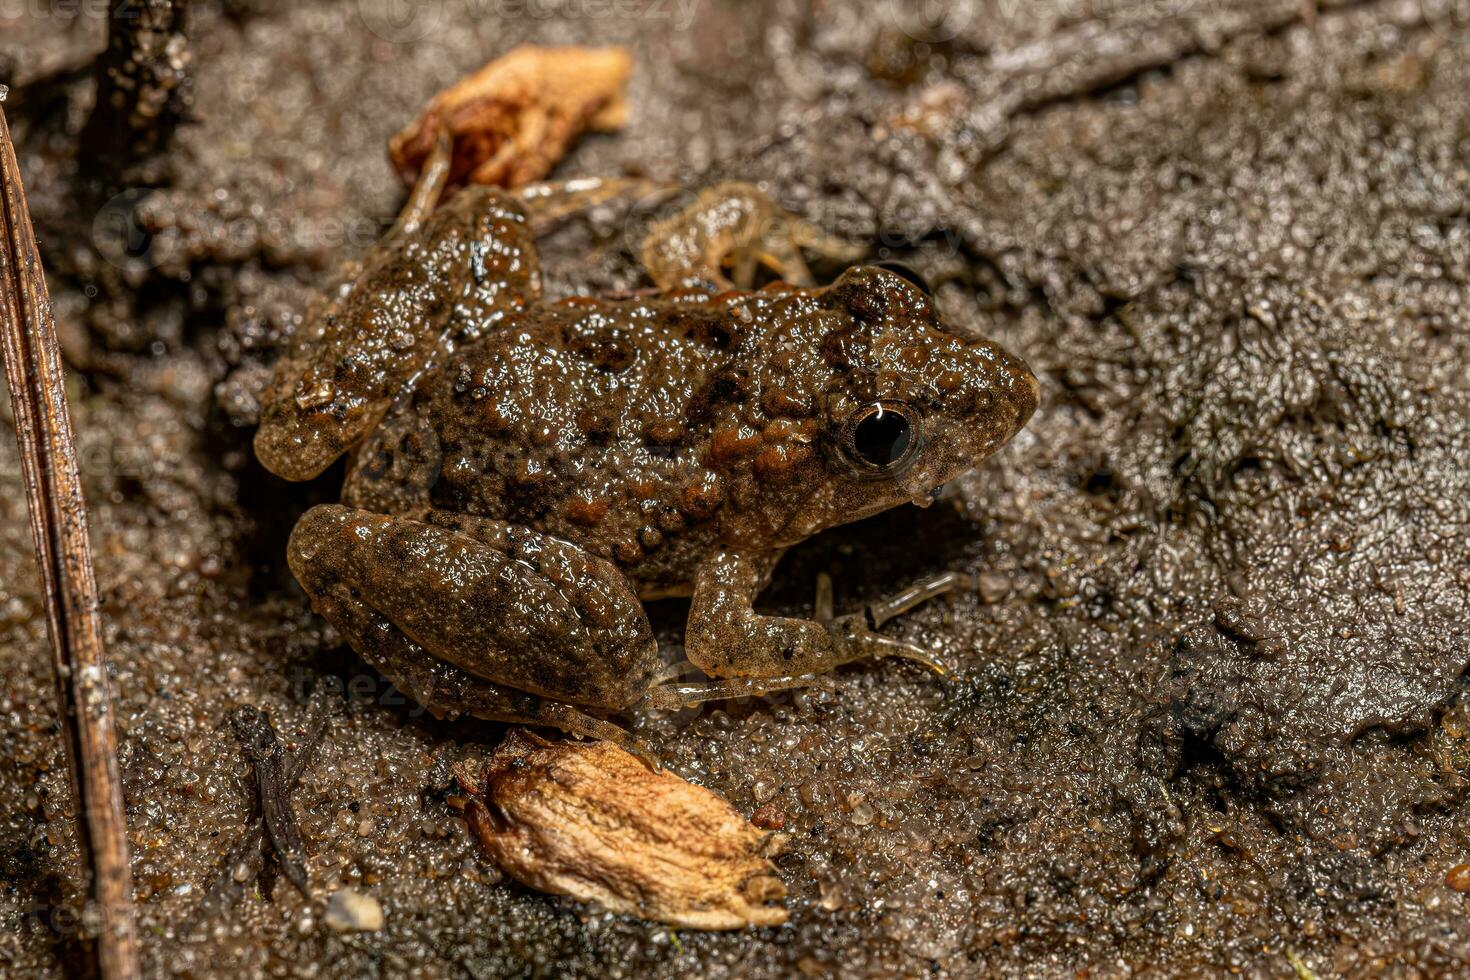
x=882 y=438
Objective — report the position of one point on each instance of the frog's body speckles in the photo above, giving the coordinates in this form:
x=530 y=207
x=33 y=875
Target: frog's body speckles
x=660 y=446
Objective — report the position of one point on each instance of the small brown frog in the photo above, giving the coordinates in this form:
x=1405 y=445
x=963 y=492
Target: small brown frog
x=524 y=472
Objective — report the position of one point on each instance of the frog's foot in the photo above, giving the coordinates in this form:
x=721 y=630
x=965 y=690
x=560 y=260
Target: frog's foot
x=860 y=627
x=726 y=639
x=677 y=695
x=546 y=202
x=738 y=225
x=480 y=618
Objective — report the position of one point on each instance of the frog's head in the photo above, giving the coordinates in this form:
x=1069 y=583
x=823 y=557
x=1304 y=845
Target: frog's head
x=909 y=404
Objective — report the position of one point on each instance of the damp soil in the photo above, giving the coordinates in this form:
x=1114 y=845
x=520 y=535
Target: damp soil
x=1207 y=714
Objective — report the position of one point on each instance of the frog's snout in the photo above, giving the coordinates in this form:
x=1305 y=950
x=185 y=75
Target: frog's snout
x=1005 y=394
x=1035 y=389
x=1020 y=389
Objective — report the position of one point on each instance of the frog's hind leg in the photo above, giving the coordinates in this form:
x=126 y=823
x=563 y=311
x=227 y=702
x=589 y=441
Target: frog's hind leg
x=739 y=224
x=550 y=202
x=469 y=265
x=776 y=251
x=447 y=691
x=433 y=180
x=479 y=617
x=675 y=695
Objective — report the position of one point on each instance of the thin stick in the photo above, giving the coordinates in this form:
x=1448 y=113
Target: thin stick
x=59 y=524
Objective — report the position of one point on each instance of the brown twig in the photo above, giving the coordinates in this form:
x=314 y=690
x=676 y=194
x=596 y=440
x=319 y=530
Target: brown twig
x=59 y=523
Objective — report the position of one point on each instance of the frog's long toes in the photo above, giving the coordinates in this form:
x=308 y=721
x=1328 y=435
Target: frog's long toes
x=664 y=696
x=911 y=652
x=823 y=607
x=921 y=656
x=644 y=753
x=856 y=638
x=915 y=595
x=583 y=725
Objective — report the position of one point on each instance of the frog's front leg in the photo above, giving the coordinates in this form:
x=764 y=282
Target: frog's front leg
x=739 y=223
x=479 y=617
x=465 y=268
x=727 y=639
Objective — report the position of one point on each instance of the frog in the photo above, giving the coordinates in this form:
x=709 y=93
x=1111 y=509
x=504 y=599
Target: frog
x=524 y=472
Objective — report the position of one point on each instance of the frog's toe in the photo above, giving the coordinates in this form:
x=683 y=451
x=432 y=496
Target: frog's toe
x=583 y=725
x=854 y=639
x=777 y=253
x=855 y=636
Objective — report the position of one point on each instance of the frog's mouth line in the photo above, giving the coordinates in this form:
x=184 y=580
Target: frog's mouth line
x=922 y=499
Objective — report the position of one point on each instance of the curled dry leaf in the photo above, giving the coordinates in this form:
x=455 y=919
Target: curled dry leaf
x=512 y=120
x=589 y=820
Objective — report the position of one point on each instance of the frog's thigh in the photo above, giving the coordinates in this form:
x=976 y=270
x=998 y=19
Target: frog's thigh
x=443 y=688
x=521 y=610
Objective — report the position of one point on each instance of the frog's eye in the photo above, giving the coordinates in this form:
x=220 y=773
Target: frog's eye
x=908 y=273
x=881 y=439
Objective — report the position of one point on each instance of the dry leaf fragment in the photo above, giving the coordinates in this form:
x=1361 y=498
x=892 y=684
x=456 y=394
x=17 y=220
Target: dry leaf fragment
x=512 y=120
x=589 y=820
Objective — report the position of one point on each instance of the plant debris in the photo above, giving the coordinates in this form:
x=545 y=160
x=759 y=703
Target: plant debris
x=514 y=119
x=591 y=821
x=63 y=552
x=352 y=911
x=246 y=859
x=272 y=783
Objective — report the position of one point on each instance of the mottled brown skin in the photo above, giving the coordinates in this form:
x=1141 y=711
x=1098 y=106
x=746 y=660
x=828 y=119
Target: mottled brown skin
x=526 y=471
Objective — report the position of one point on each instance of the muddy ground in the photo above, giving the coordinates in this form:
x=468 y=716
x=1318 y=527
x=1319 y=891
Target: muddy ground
x=1207 y=715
